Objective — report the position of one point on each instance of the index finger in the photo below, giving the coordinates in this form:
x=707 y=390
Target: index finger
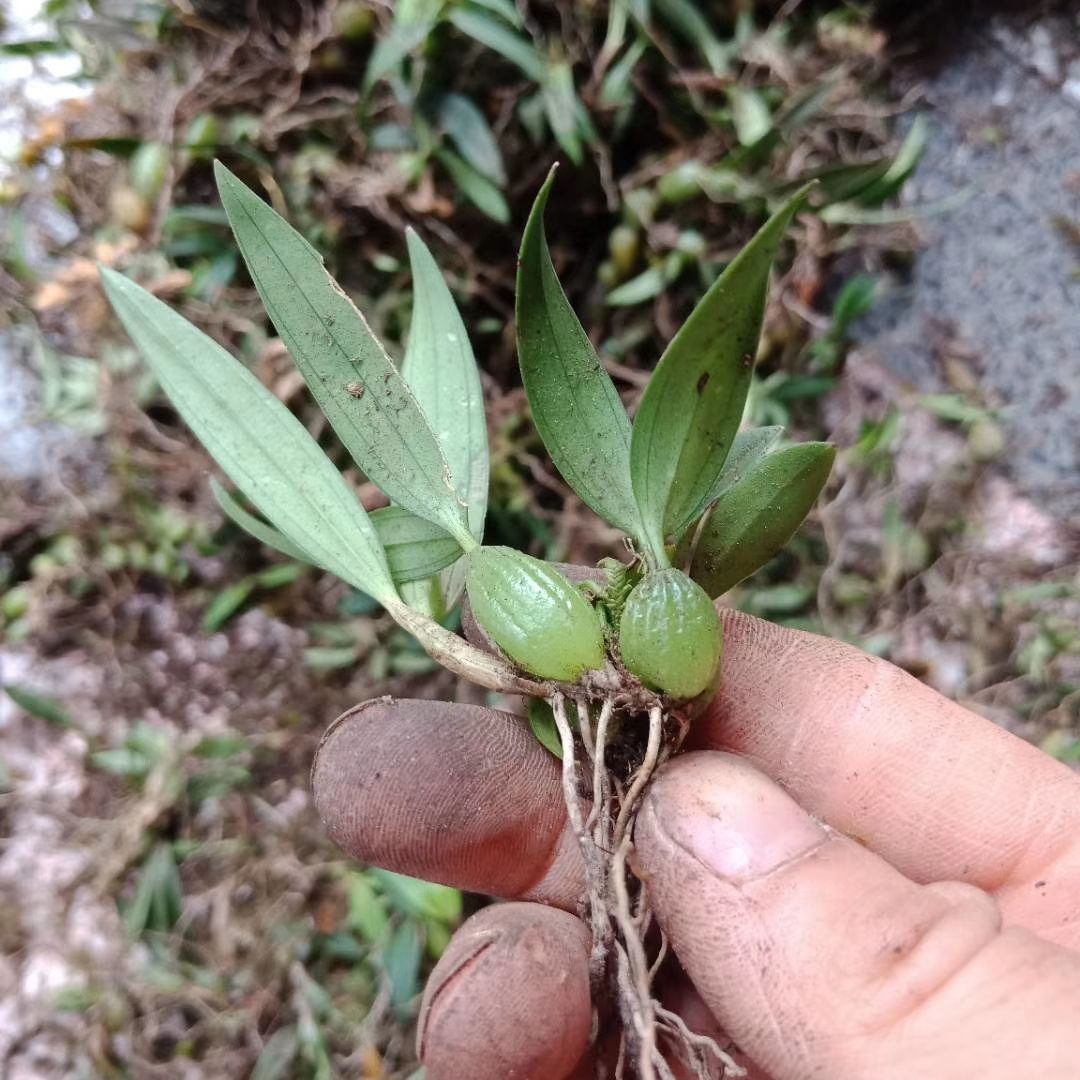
x=935 y=789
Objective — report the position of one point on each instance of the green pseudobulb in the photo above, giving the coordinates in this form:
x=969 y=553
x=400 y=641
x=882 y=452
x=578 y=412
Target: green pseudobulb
x=669 y=635
x=534 y=614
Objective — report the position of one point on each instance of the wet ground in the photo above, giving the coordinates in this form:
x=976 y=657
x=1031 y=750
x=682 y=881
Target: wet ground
x=997 y=285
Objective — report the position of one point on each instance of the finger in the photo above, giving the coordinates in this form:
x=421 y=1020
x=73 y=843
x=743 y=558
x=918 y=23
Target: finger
x=509 y=998
x=452 y=793
x=821 y=959
x=937 y=790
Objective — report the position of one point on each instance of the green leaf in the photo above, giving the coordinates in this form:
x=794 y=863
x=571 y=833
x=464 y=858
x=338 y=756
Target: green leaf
x=953 y=407
x=498 y=37
x=226 y=604
x=747 y=450
x=841 y=182
x=222 y=746
x=563 y=109
x=503 y=8
x=778 y=600
x=756 y=517
x=575 y=405
x=330 y=658
x=901 y=168
x=685 y=17
x=404 y=37
x=419 y=899
x=804 y=105
x=467 y=126
x=401 y=961
x=278 y=1055
x=367 y=914
x=265 y=534
x=855 y=300
x=262 y=447
x=647 y=285
x=362 y=394
x=543 y=726
x=40 y=705
x=692 y=407
x=441 y=370
x=158 y=898
x=617 y=88
x=415 y=548
x=750 y=114
x=121 y=761
x=478 y=189
x=274 y=577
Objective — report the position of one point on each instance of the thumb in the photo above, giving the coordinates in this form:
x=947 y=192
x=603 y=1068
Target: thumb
x=820 y=959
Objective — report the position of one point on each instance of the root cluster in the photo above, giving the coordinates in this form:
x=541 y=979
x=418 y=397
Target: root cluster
x=605 y=774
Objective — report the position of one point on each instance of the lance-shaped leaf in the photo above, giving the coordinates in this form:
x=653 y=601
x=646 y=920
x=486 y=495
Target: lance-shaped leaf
x=362 y=393
x=264 y=533
x=415 y=548
x=262 y=447
x=693 y=405
x=574 y=403
x=747 y=450
x=756 y=517
x=441 y=371
x=462 y=120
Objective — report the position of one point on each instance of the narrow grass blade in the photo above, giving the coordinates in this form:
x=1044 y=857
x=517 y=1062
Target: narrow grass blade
x=693 y=405
x=500 y=38
x=477 y=188
x=461 y=118
x=363 y=395
x=755 y=518
x=574 y=403
x=262 y=447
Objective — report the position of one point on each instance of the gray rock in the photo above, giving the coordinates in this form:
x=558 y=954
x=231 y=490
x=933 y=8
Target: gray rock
x=1001 y=272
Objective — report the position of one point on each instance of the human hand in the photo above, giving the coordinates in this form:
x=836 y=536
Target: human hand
x=858 y=877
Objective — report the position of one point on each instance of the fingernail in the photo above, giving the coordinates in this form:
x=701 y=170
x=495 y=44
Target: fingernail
x=732 y=818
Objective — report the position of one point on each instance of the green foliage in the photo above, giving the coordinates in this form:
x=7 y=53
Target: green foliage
x=441 y=371
x=158 y=899
x=747 y=449
x=40 y=705
x=856 y=298
x=542 y=725
x=421 y=436
x=414 y=548
x=144 y=749
x=363 y=395
x=755 y=517
x=574 y=403
x=692 y=407
x=264 y=449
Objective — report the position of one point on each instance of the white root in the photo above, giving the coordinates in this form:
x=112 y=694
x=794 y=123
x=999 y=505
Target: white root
x=595 y=875
x=618 y=912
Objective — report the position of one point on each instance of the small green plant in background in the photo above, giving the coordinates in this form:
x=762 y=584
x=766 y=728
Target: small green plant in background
x=617 y=665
